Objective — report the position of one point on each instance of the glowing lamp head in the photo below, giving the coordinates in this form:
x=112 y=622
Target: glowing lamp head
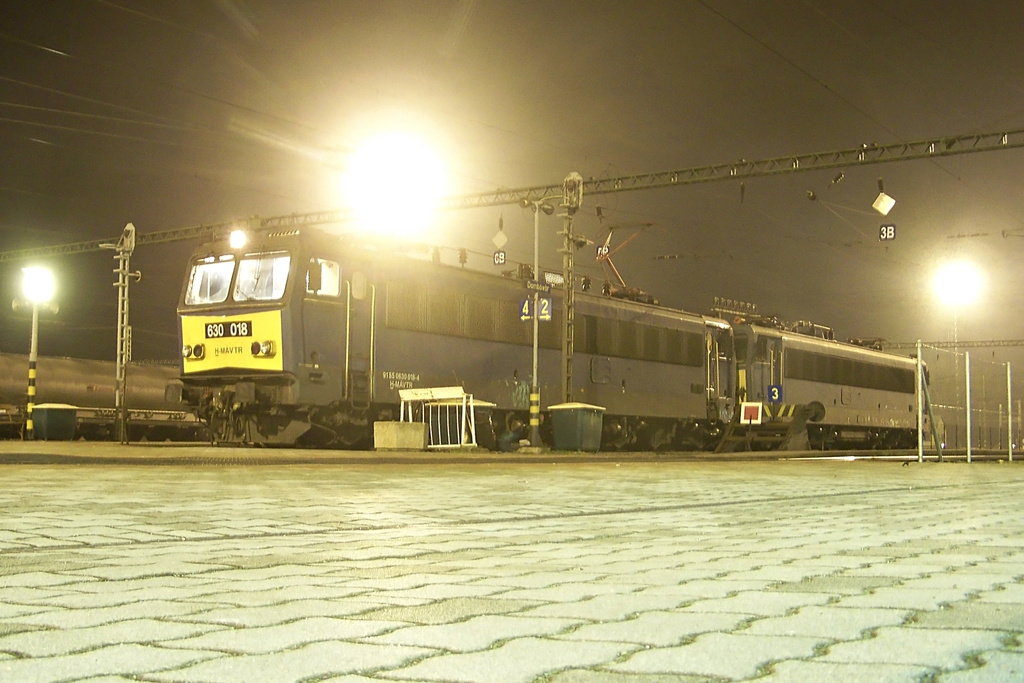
x=38 y=284
x=237 y=239
x=394 y=184
x=958 y=283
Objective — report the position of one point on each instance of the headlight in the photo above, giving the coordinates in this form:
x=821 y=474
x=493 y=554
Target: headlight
x=198 y=351
x=265 y=349
x=186 y=351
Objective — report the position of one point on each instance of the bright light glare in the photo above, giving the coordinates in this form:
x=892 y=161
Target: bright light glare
x=237 y=239
x=37 y=284
x=393 y=184
x=958 y=283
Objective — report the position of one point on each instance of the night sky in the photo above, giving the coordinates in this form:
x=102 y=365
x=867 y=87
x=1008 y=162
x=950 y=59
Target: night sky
x=174 y=113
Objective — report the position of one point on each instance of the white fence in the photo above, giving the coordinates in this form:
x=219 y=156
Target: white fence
x=968 y=404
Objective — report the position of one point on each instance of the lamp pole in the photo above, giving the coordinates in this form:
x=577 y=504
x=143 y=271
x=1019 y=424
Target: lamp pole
x=537 y=205
x=33 y=356
x=38 y=287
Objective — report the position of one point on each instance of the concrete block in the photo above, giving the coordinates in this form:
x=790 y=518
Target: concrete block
x=400 y=436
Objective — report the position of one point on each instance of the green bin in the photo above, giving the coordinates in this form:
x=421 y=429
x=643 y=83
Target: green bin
x=54 y=421
x=577 y=426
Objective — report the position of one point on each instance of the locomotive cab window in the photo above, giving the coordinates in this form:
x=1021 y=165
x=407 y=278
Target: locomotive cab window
x=323 y=277
x=262 y=277
x=210 y=281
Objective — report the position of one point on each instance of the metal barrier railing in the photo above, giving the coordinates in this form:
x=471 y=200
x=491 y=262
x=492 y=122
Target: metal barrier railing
x=450 y=414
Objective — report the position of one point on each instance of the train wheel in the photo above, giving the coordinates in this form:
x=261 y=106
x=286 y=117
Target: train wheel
x=660 y=436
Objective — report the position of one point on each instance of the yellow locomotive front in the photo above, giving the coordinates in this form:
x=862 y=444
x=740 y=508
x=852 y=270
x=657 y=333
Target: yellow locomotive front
x=234 y=312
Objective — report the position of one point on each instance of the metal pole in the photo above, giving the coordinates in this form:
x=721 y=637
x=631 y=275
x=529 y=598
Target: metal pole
x=535 y=388
x=572 y=197
x=33 y=355
x=569 y=312
x=120 y=404
x=967 y=385
x=124 y=248
x=1009 y=412
x=920 y=406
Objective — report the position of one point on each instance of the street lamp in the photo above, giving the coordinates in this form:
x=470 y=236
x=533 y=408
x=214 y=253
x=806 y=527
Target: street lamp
x=537 y=205
x=957 y=284
x=394 y=183
x=38 y=287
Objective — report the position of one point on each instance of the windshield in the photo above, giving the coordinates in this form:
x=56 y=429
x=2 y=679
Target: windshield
x=262 y=277
x=209 y=280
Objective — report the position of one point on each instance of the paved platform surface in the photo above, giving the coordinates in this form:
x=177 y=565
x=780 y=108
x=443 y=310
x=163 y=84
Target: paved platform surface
x=224 y=570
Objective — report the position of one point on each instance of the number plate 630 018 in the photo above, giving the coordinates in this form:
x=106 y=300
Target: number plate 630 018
x=236 y=328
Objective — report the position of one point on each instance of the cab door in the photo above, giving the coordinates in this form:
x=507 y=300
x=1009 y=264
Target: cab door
x=764 y=367
x=324 y=311
x=719 y=372
x=361 y=299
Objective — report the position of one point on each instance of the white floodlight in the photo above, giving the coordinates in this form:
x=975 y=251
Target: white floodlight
x=38 y=284
x=958 y=283
x=394 y=183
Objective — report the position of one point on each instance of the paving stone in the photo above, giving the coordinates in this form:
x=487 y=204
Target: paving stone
x=9 y=611
x=944 y=649
x=145 y=609
x=1009 y=572
x=448 y=610
x=760 y=603
x=999 y=616
x=898 y=597
x=219 y=594
x=658 y=628
x=1011 y=592
x=517 y=661
x=52 y=642
x=902 y=570
x=968 y=582
x=836 y=584
x=284 y=636
x=276 y=614
x=590 y=676
x=536 y=579
x=477 y=633
x=316 y=660
x=813 y=670
x=615 y=607
x=995 y=666
x=703 y=589
x=836 y=623
x=718 y=654
x=36 y=579
x=566 y=592
x=116 y=659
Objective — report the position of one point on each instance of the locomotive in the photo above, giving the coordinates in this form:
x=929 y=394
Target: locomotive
x=856 y=396
x=302 y=337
